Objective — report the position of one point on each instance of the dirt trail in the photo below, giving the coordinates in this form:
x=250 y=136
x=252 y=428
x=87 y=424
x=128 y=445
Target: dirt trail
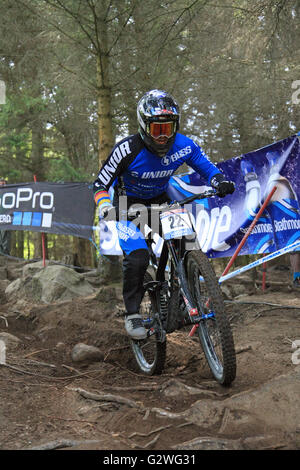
x=48 y=401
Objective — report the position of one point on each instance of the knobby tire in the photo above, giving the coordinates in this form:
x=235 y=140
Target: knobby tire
x=150 y=354
x=215 y=333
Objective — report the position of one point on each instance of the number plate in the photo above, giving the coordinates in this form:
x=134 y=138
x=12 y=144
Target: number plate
x=176 y=223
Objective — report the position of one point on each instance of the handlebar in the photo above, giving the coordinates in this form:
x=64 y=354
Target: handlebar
x=209 y=193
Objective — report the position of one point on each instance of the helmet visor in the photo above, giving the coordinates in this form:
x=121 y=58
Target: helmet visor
x=162 y=129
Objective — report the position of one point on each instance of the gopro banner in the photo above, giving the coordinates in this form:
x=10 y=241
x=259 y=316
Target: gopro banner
x=221 y=223
x=62 y=208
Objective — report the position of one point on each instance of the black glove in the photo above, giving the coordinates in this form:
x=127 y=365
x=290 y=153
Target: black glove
x=221 y=185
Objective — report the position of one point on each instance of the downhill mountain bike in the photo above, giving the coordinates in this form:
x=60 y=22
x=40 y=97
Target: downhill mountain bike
x=180 y=289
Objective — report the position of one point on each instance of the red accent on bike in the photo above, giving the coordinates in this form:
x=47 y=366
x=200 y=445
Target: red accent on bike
x=193 y=330
x=193 y=312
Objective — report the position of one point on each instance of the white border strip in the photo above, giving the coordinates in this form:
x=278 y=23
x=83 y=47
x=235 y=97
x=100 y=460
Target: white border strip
x=262 y=260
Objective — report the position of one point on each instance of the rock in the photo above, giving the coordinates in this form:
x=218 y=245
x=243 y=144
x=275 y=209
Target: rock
x=14 y=273
x=274 y=406
x=10 y=341
x=3 y=284
x=3 y=273
x=85 y=353
x=109 y=268
x=13 y=287
x=107 y=294
x=239 y=290
x=227 y=293
x=50 y=284
x=31 y=269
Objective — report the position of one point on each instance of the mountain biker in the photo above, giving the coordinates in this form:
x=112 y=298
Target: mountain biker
x=140 y=167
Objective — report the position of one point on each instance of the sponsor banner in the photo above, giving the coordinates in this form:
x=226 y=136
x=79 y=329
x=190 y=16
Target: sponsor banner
x=221 y=223
x=62 y=208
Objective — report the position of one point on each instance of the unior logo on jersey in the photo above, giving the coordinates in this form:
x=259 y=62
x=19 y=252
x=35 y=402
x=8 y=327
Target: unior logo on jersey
x=108 y=171
x=167 y=159
x=157 y=174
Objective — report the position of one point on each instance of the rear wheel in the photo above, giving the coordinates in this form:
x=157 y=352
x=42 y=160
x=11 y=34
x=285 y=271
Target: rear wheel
x=150 y=353
x=214 y=329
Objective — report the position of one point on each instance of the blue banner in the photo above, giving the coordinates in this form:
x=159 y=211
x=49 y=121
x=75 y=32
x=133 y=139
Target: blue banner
x=222 y=222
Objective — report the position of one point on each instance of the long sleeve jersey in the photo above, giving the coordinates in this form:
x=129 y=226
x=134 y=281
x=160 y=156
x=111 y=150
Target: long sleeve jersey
x=136 y=172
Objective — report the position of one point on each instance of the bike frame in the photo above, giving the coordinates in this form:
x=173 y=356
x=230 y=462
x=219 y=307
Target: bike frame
x=175 y=250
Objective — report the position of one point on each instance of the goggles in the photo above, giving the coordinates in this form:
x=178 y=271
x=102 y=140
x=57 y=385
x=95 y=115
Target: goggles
x=159 y=129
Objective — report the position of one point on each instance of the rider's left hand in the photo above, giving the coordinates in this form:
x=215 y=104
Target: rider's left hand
x=221 y=185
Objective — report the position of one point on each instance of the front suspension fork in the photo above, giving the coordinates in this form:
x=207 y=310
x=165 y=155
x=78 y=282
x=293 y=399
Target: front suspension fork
x=187 y=297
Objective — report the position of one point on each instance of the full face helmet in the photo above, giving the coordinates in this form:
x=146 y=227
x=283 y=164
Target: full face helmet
x=158 y=118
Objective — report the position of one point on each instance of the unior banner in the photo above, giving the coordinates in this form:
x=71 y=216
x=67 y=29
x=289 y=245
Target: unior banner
x=221 y=223
x=61 y=208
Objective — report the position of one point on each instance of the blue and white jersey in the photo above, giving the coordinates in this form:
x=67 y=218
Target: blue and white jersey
x=136 y=172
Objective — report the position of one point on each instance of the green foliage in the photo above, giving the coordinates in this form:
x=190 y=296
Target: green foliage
x=229 y=63
x=61 y=170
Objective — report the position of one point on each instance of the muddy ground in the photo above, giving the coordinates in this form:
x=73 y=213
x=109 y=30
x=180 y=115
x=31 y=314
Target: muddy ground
x=49 y=402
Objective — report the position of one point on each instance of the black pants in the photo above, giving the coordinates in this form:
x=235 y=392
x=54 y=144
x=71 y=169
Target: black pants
x=135 y=263
x=134 y=268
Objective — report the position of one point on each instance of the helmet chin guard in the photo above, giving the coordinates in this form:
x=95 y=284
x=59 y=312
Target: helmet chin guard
x=158 y=118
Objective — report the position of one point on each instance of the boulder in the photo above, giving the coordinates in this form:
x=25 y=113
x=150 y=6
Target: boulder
x=85 y=353
x=49 y=284
x=3 y=273
x=31 y=269
x=10 y=341
x=107 y=294
x=274 y=406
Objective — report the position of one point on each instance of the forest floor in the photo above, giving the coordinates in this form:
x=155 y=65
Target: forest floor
x=49 y=402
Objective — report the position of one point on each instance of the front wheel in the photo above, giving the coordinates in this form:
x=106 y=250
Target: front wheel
x=214 y=329
x=150 y=353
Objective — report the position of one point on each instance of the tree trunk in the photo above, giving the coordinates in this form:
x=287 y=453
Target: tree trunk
x=37 y=151
x=37 y=243
x=109 y=270
x=37 y=157
x=82 y=253
x=104 y=97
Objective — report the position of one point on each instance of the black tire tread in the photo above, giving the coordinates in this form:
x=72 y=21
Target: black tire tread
x=223 y=325
x=161 y=347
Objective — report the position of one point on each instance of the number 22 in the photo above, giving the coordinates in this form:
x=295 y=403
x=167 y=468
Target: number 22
x=175 y=221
